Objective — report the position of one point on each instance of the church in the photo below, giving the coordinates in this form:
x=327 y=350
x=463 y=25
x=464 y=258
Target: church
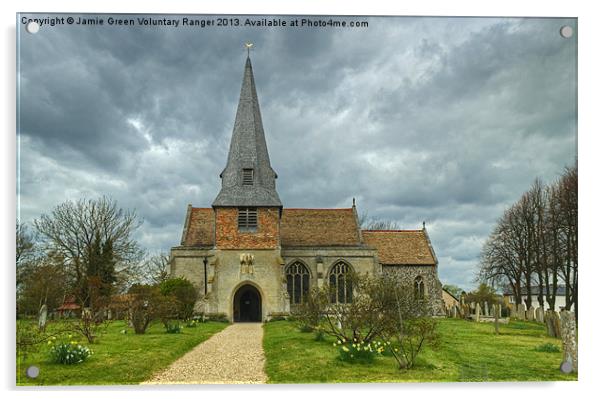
x=253 y=259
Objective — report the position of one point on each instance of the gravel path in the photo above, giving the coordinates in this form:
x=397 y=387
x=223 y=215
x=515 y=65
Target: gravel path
x=232 y=356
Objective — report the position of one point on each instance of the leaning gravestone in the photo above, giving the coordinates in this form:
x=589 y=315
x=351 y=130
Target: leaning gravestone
x=568 y=331
x=552 y=321
x=42 y=317
x=539 y=314
x=477 y=312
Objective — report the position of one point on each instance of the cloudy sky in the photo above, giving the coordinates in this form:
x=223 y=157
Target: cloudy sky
x=446 y=120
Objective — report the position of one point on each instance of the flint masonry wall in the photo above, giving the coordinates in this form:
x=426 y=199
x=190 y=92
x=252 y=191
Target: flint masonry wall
x=406 y=275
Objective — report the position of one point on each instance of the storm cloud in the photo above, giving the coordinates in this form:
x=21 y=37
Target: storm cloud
x=443 y=120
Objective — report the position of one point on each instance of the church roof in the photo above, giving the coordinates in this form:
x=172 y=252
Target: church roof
x=248 y=150
x=319 y=227
x=298 y=228
x=199 y=228
x=400 y=247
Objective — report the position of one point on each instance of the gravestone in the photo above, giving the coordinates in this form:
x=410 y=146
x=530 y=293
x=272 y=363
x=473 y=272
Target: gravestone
x=42 y=317
x=513 y=311
x=552 y=321
x=477 y=312
x=486 y=305
x=521 y=312
x=454 y=311
x=109 y=314
x=496 y=314
x=539 y=314
x=568 y=331
x=531 y=313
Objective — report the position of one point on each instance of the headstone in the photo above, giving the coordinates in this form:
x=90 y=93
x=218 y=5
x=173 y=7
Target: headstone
x=42 y=316
x=552 y=321
x=513 y=311
x=454 y=311
x=568 y=331
x=496 y=312
x=109 y=314
x=521 y=312
x=486 y=304
x=539 y=314
x=477 y=312
x=531 y=313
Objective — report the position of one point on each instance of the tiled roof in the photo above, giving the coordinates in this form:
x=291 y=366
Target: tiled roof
x=298 y=228
x=400 y=247
x=200 y=229
x=319 y=227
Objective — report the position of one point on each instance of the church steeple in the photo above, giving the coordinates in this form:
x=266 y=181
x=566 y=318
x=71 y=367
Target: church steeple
x=248 y=178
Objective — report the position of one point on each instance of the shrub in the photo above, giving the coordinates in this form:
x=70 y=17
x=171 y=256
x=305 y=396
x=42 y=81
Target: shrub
x=68 y=353
x=146 y=305
x=548 y=347
x=185 y=294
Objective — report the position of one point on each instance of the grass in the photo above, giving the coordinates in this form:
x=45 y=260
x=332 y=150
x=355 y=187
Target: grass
x=118 y=359
x=468 y=351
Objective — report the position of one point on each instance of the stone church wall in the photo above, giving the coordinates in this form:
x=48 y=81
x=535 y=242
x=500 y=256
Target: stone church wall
x=407 y=275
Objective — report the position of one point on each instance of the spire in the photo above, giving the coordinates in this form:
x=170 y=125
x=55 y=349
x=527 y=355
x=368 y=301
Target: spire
x=248 y=178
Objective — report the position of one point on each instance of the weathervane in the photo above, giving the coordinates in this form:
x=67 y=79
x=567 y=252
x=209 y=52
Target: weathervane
x=248 y=45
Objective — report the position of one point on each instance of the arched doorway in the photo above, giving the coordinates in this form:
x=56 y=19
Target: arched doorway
x=247 y=304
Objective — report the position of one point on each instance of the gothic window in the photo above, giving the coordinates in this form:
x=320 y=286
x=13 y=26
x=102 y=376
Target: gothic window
x=247 y=219
x=419 y=288
x=297 y=282
x=247 y=177
x=341 y=287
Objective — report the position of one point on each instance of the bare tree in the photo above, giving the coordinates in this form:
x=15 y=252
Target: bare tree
x=568 y=223
x=72 y=228
x=25 y=252
x=368 y=222
x=535 y=243
x=156 y=268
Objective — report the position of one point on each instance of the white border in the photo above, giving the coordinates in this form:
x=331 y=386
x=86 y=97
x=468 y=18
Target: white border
x=589 y=152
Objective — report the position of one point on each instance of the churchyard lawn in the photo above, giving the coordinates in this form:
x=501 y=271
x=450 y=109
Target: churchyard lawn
x=118 y=358
x=468 y=351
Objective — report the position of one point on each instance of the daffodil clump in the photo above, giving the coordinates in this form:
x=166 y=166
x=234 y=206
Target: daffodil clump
x=68 y=352
x=173 y=328
x=192 y=323
x=360 y=352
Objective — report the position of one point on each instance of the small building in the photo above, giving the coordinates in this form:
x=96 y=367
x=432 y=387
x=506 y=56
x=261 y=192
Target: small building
x=559 y=304
x=449 y=300
x=69 y=308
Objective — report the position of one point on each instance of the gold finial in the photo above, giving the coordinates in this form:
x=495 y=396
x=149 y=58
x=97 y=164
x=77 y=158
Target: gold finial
x=248 y=45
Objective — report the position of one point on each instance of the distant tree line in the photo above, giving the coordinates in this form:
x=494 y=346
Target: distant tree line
x=533 y=247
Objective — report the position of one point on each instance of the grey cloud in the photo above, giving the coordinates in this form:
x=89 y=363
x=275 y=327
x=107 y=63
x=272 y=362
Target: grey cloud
x=446 y=120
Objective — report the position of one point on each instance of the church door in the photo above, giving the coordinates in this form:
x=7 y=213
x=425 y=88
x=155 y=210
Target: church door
x=247 y=304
